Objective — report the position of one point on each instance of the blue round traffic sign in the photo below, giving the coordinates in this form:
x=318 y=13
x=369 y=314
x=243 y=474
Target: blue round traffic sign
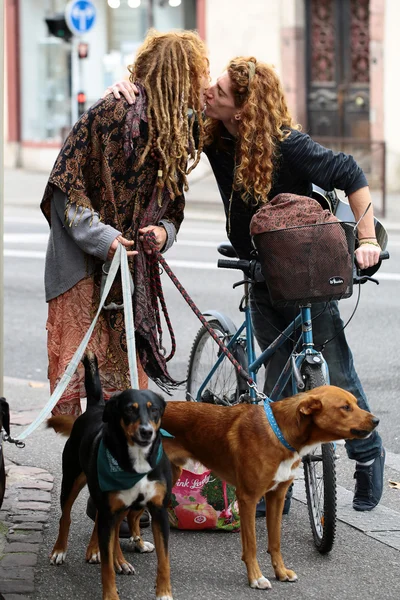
x=80 y=16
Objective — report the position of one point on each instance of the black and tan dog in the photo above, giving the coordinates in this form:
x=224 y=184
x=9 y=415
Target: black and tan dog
x=116 y=448
x=239 y=445
x=4 y=424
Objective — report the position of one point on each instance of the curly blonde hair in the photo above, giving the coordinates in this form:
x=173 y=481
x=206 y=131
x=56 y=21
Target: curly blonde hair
x=264 y=122
x=172 y=67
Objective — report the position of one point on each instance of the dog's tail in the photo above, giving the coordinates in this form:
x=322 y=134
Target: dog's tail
x=62 y=424
x=94 y=392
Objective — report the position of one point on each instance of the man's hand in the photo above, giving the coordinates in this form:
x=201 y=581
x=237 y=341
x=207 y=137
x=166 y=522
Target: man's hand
x=124 y=242
x=124 y=87
x=367 y=255
x=160 y=234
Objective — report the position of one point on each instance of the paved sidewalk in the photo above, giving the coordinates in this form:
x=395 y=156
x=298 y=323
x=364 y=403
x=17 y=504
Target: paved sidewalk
x=23 y=515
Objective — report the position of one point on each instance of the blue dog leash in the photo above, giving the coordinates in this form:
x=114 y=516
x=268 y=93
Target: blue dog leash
x=275 y=426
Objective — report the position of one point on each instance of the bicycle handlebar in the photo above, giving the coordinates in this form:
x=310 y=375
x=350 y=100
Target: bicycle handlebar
x=252 y=268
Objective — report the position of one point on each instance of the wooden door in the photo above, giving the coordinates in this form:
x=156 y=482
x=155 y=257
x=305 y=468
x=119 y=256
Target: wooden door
x=338 y=68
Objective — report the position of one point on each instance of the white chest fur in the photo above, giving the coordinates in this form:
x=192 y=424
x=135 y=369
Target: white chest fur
x=285 y=470
x=138 y=458
x=144 y=487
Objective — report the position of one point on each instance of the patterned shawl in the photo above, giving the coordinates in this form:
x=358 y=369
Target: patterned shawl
x=97 y=168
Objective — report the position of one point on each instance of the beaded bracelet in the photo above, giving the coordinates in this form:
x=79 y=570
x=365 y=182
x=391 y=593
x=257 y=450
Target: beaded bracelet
x=362 y=243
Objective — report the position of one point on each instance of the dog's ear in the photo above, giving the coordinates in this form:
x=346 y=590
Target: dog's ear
x=161 y=402
x=5 y=415
x=110 y=409
x=309 y=406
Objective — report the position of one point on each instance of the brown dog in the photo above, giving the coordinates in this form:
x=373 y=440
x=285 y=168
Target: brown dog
x=238 y=444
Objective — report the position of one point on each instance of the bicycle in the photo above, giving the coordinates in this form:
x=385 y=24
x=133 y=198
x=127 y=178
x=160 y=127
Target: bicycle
x=212 y=378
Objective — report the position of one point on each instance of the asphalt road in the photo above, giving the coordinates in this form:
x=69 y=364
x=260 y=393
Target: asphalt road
x=206 y=565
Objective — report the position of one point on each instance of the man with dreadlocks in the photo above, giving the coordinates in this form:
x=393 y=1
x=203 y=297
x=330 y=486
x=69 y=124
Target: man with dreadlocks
x=256 y=152
x=120 y=174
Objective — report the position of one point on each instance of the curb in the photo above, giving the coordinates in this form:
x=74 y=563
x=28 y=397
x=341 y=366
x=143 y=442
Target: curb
x=23 y=516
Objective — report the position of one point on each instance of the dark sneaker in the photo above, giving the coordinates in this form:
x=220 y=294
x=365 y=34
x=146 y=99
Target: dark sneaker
x=288 y=500
x=260 y=510
x=369 y=483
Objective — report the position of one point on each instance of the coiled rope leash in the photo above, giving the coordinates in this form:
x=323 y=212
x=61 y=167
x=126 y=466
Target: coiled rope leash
x=151 y=241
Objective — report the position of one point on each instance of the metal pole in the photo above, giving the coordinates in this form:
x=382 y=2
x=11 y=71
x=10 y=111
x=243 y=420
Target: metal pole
x=2 y=74
x=75 y=76
x=150 y=13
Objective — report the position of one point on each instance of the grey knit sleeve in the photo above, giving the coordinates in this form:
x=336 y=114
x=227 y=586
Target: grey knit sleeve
x=84 y=227
x=171 y=234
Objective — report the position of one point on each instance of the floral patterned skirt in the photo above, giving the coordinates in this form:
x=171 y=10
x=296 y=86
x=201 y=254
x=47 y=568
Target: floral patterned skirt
x=69 y=318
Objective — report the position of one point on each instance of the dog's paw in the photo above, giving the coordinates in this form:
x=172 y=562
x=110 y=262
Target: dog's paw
x=93 y=558
x=57 y=557
x=140 y=545
x=122 y=566
x=164 y=597
x=262 y=583
x=287 y=575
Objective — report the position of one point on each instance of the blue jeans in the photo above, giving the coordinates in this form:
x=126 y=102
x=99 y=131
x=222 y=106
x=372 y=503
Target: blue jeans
x=337 y=353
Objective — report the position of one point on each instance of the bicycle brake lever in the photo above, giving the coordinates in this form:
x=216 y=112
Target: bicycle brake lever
x=235 y=285
x=364 y=279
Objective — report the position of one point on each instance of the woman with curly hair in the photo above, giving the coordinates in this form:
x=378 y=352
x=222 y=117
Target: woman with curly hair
x=257 y=151
x=121 y=173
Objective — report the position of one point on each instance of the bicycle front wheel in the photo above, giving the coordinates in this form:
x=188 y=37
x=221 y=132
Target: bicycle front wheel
x=320 y=479
x=225 y=385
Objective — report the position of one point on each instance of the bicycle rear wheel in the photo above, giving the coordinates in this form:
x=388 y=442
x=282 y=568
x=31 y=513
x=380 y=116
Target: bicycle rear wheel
x=320 y=479
x=226 y=385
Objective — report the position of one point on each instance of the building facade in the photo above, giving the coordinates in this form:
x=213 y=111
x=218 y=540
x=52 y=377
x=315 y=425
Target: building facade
x=336 y=58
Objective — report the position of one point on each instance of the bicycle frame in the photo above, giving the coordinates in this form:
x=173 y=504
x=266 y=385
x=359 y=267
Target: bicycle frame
x=294 y=362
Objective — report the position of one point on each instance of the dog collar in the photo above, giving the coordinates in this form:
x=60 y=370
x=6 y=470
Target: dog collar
x=112 y=477
x=274 y=425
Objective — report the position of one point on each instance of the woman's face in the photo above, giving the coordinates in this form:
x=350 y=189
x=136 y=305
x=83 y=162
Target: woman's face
x=220 y=101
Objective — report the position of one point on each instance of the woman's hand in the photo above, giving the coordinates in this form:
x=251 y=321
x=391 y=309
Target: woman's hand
x=367 y=255
x=124 y=87
x=160 y=235
x=121 y=240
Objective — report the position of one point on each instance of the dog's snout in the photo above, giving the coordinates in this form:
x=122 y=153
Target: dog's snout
x=375 y=421
x=145 y=432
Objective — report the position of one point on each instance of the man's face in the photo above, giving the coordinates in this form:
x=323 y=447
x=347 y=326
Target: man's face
x=220 y=102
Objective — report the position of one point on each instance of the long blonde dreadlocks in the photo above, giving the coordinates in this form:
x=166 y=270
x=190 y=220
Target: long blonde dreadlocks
x=265 y=121
x=172 y=68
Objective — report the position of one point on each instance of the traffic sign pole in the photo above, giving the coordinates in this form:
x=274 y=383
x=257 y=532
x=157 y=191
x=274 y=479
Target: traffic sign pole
x=76 y=76
x=80 y=16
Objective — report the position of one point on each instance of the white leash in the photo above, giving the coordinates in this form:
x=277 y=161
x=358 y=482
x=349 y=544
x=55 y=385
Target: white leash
x=120 y=259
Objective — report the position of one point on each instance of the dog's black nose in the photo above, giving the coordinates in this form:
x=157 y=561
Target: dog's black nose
x=375 y=421
x=145 y=432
